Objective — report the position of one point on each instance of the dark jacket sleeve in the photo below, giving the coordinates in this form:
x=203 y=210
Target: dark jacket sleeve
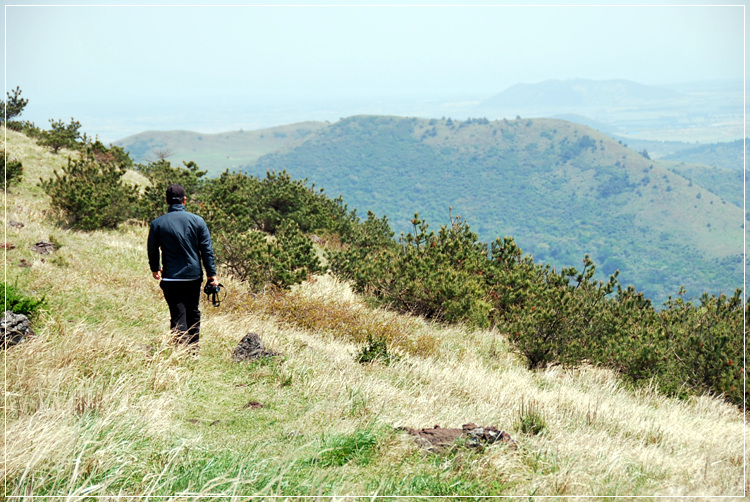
x=207 y=251
x=153 y=249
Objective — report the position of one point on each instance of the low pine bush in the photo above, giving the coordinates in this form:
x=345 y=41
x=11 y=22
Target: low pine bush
x=437 y=276
x=90 y=193
x=237 y=202
x=261 y=260
x=12 y=170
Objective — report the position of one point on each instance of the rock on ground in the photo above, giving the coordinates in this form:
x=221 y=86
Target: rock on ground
x=251 y=347
x=15 y=327
x=439 y=439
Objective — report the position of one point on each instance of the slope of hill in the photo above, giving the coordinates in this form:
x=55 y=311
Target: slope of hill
x=100 y=403
x=216 y=152
x=562 y=190
x=727 y=155
x=723 y=182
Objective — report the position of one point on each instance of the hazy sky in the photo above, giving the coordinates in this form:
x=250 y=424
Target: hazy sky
x=119 y=56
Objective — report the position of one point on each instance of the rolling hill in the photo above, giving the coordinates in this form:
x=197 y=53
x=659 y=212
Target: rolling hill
x=561 y=189
x=217 y=152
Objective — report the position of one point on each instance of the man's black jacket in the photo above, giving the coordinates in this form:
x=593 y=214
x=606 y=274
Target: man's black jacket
x=184 y=241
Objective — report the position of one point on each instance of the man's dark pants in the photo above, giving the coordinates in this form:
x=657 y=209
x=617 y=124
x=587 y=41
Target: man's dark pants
x=183 y=298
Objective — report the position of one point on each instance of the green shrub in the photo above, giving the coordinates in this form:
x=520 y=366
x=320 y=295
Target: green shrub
x=261 y=260
x=375 y=349
x=363 y=245
x=61 y=135
x=90 y=193
x=18 y=302
x=438 y=276
x=12 y=170
x=237 y=202
x=564 y=316
x=705 y=345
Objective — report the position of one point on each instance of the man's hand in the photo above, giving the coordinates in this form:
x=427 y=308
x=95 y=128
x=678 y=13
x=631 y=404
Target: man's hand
x=157 y=274
x=213 y=281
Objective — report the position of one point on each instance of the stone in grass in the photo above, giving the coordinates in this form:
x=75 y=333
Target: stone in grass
x=440 y=439
x=15 y=327
x=43 y=247
x=251 y=347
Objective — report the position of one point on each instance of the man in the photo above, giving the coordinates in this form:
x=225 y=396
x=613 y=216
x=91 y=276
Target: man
x=185 y=243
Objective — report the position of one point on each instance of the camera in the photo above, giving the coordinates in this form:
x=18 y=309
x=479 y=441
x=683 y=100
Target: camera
x=211 y=289
x=212 y=292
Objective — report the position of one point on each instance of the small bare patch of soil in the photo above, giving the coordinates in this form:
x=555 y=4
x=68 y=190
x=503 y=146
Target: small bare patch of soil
x=254 y=405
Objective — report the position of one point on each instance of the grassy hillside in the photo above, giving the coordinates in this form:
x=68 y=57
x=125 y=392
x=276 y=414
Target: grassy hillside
x=100 y=402
x=562 y=190
x=215 y=152
x=725 y=183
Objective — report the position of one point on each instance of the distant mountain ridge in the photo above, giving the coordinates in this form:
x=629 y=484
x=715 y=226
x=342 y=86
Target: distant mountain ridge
x=578 y=93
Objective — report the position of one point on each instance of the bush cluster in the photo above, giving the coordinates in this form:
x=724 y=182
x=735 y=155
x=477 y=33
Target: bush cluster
x=262 y=260
x=554 y=316
x=235 y=200
x=90 y=193
x=162 y=174
x=12 y=170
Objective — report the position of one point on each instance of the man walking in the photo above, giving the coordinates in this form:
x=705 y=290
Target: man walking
x=184 y=242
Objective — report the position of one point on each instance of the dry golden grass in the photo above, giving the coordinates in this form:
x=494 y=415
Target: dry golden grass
x=100 y=402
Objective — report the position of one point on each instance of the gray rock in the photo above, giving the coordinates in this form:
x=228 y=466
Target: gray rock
x=251 y=347
x=43 y=247
x=15 y=327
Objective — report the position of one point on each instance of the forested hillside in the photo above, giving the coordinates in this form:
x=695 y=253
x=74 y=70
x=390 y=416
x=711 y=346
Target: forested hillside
x=562 y=190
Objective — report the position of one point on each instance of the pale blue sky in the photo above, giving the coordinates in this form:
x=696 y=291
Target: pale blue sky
x=117 y=56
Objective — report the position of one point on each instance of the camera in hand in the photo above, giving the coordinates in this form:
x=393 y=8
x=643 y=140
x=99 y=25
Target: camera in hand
x=213 y=292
